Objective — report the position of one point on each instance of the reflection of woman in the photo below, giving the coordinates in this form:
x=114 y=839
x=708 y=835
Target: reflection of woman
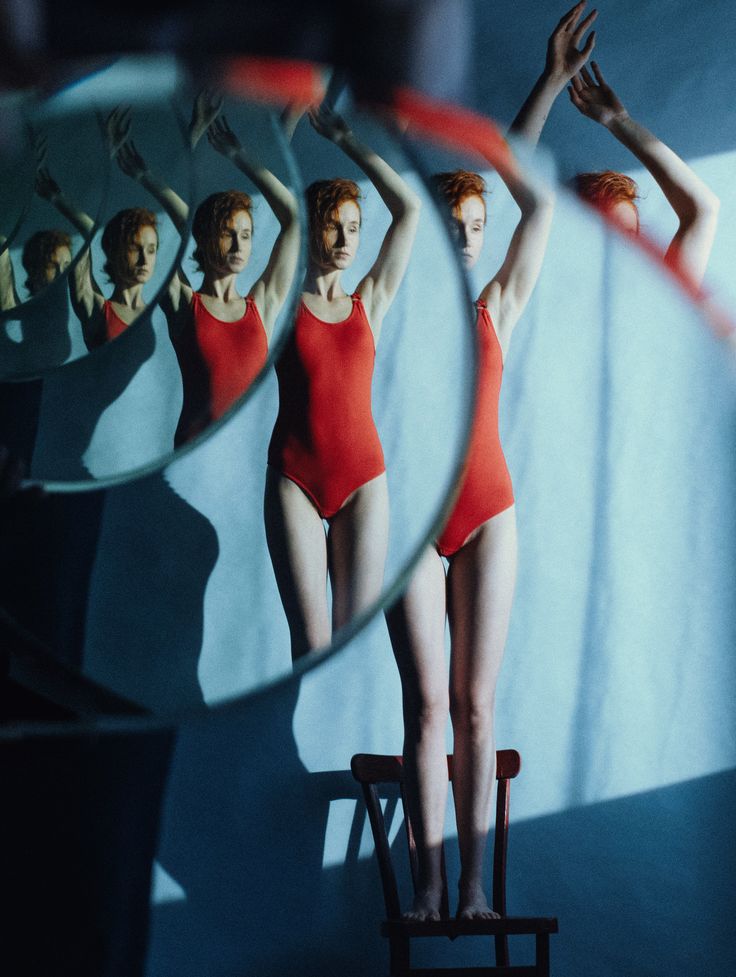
x=220 y=337
x=478 y=540
x=325 y=458
x=130 y=243
x=46 y=254
x=695 y=205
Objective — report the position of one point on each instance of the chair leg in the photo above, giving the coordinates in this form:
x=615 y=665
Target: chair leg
x=400 y=955
x=542 y=961
x=502 y=950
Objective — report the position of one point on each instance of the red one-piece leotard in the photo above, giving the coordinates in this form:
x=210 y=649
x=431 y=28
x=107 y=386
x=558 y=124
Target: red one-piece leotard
x=218 y=361
x=325 y=438
x=114 y=325
x=486 y=487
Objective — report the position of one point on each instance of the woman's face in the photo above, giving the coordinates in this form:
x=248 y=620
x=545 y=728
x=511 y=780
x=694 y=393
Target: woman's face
x=341 y=236
x=468 y=226
x=625 y=215
x=58 y=263
x=236 y=242
x=140 y=258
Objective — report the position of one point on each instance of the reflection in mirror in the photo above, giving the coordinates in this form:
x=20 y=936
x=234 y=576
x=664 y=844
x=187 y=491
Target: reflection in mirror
x=192 y=354
x=38 y=329
x=16 y=167
x=181 y=562
x=221 y=338
x=333 y=491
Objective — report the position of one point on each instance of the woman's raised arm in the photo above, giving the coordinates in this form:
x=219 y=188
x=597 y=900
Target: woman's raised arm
x=694 y=203
x=380 y=285
x=272 y=288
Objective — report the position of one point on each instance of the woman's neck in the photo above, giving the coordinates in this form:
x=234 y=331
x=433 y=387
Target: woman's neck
x=129 y=295
x=220 y=287
x=326 y=284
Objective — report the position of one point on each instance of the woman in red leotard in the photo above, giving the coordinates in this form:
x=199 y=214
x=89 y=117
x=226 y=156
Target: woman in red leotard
x=220 y=337
x=325 y=457
x=479 y=538
x=130 y=244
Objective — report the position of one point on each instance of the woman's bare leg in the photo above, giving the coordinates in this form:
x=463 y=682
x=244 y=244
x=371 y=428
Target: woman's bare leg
x=481 y=582
x=298 y=547
x=417 y=628
x=357 y=545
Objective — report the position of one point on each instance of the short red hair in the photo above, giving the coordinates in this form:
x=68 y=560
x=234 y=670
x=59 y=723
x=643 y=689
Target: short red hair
x=210 y=221
x=606 y=189
x=323 y=200
x=118 y=236
x=458 y=186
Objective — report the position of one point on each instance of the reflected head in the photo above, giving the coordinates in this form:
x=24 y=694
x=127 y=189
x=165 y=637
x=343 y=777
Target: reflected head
x=464 y=192
x=213 y=221
x=613 y=193
x=325 y=198
x=122 y=235
x=46 y=254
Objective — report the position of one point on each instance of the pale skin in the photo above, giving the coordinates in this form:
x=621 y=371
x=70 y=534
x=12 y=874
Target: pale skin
x=476 y=593
x=353 y=552
x=695 y=205
x=218 y=290
x=60 y=257
x=130 y=270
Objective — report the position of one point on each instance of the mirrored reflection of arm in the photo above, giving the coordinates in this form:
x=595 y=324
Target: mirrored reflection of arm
x=380 y=285
x=694 y=203
x=272 y=288
x=8 y=295
x=133 y=165
x=86 y=295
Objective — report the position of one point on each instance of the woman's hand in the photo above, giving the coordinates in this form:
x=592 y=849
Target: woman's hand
x=117 y=129
x=328 y=123
x=222 y=138
x=207 y=106
x=564 y=60
x=46 y=185
x=131 y=162
x=596 y=99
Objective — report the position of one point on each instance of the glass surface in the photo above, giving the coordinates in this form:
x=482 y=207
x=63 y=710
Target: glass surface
x=137 y=379
x=179 y=561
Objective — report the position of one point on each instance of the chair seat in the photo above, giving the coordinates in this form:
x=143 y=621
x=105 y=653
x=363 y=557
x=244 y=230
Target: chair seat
x=452 y=928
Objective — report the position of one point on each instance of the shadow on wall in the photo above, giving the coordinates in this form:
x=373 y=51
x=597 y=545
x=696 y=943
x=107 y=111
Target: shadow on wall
x=641 y=885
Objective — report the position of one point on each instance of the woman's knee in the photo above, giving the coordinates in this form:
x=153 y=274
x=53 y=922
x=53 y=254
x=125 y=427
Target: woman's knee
x=427 y=709
x=471 y=711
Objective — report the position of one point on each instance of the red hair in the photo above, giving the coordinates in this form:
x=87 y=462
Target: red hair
x=605 y=190
x=38 y=252
x=210 y=222
x=119 y=235
x=323 y=200
x=458 y=185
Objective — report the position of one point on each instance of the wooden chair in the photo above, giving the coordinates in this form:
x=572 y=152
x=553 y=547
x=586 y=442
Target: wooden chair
x=370 y=770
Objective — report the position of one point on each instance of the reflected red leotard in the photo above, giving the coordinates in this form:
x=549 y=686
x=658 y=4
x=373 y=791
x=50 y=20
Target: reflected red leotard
x=218 y=361
x=114 y=325
x=486 y=487
x=325 y=438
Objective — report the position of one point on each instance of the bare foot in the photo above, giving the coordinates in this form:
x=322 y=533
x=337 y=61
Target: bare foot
x=473 y=904
x=426 y=906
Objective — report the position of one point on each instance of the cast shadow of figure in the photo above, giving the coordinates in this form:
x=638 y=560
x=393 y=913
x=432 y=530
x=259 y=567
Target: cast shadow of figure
x=243 y=836
x=37 y=335
x=73 y=400
x=113 y=582
x=145 y=617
